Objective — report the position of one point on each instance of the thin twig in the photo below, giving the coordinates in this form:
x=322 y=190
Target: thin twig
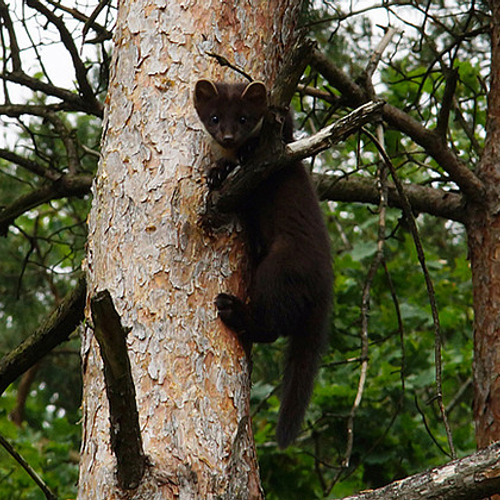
x=400 y=325
x=56 y=329
x=430 y=287
x=27 y=467
x=428 y=429
x=224 y=62
x=365 y=305
x=376 y=58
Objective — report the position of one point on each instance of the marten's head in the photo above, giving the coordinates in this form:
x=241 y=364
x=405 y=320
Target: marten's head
x=232 y=113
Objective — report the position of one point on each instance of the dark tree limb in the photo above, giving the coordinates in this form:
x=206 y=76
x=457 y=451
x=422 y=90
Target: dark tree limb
x=67 y=39
x=57 y=329
x=67 y=185
x=29 y=165
x=126 y=441
x=69 y=143
x=17 y=110
x=224 y=62
x=18 y=413
x=14 y=46
x=290 y=73
x=423 y=199
x=86 y=102
x=447 y=102
x=90 y=22
x=73 y=101
x=471 y=478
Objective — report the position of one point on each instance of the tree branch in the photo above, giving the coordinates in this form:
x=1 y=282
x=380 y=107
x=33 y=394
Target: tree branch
x=69 y=142
x=126 y=441
x=67 y=185
x=49 y=495
x=73 y=101
x=244 y=180
x=410 y=219
x=57 y=328
x=290 y=73
x=334 y=133
x=90 y=22
x=66 y=38
x=469 y=183
x=471 y=478
x=14 y=46
x=29 y=165
x=423 y=199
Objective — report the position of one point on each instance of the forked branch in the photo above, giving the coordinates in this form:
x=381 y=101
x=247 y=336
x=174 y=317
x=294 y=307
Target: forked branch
x=245 y=180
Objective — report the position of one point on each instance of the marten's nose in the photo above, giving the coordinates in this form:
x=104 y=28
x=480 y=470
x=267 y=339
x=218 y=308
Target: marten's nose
x=228 y=139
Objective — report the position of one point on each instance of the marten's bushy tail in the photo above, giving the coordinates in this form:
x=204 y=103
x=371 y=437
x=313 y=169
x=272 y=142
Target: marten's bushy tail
x=301 y=367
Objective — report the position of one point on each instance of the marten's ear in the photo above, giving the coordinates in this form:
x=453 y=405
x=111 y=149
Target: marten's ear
x=256 y=93
x=204 y=91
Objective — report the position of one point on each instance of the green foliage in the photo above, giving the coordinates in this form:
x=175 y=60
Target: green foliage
x=50 y=447
x=391 y=440
x=39 y=262
x=397 y=429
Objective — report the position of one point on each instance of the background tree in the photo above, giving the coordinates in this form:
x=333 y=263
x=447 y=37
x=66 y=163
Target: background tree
x=377 y=411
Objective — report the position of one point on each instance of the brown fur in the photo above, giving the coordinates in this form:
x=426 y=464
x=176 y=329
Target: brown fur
x=290 y=292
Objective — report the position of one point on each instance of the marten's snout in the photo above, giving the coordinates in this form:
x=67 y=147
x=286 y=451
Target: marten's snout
x=228 y=140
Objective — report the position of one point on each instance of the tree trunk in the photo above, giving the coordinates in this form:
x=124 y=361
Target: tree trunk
x=147 y=249
x=484 y=245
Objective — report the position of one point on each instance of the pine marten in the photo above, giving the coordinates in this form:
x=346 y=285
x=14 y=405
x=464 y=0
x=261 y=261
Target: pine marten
x=291 y=284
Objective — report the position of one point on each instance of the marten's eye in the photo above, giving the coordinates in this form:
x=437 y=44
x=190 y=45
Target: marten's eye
x=214 y=119
x=243 y=119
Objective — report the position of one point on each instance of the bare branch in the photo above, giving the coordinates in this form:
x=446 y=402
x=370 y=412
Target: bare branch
x=66 y=38
x=14 y=47
x=423 y=199
x=90 y=22
x=49 y=495
x=377 y=260
x=73 y=101
x=377 y=53
x=447 y=102
x=224 y=62
x=470 y=184
x=67 y=185
x=126 y=439
x=57 y=329
x=29 y=165
x=69 y=143
x=334 y=133
x=430 y=289
x=290 y=72
x=95 y=14
x=471 y=478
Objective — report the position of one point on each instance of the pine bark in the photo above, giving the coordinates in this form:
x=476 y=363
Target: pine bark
x=147 y=248
x=484 y=245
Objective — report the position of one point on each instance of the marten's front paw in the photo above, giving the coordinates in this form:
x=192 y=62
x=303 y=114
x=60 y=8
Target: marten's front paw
x=231 y=311
x=218 y=174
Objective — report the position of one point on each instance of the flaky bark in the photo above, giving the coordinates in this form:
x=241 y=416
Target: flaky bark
x=471 y=478
x=484 y=244
x=147 y=249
